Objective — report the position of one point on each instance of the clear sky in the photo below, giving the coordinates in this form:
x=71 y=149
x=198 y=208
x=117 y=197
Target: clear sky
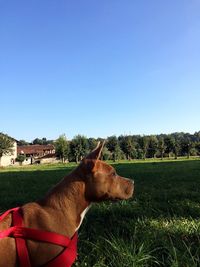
x=99 y=67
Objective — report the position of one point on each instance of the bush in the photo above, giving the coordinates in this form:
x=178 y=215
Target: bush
x=20 y=158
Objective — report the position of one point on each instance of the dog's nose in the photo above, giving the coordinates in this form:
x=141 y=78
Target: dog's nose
x=130 y=188
x=131 y=181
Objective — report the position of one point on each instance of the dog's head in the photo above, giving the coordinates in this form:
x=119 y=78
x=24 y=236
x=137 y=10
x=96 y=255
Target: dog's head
x=101 y=180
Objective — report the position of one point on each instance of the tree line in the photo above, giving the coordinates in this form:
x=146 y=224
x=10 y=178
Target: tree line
x=118 y=147
x=131 y=146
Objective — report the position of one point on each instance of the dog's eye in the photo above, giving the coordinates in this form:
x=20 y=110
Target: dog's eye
x=113 y=174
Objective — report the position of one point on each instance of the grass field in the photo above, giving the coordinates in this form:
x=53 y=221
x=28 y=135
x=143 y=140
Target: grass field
x=160 y=226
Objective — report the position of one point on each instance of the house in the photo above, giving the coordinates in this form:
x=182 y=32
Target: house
x=36 y=150
x=34 y=153
x=9 y=159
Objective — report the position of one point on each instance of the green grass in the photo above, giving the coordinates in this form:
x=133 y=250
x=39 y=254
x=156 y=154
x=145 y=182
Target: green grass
x=159 y=226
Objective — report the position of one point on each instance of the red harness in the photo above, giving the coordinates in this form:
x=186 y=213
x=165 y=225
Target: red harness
x=20 y=233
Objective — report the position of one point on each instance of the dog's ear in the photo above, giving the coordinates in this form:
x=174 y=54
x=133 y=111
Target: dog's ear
x=96 y=153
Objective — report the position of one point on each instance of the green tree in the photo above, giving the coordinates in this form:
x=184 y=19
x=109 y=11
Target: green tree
x=187 y=147
x=169 y=143
x=144 y=144
x=176 y=148
x=62 y=147
x=113 y=146
x=92 y=143
x=197 y=146
x=79 y=147
x=153 y=146
x=106 y=154
x=161 y=147
x=37 y=141
x=22 y=143
x=127 y=146
x=20 y=158
x=197 y=136
x=43 y=141
x=6 y=145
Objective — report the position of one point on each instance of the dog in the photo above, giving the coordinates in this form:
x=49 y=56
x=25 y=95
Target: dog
x=60 y=211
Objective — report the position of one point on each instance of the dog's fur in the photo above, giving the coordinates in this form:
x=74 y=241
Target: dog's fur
x=63 y=208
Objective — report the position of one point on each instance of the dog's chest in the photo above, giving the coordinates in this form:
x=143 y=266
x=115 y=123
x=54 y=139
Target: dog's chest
x=82 y=217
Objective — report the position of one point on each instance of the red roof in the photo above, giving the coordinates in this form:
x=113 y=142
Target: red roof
x=34 y=149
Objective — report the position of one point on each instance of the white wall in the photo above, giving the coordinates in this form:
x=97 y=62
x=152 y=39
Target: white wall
x=6 y=160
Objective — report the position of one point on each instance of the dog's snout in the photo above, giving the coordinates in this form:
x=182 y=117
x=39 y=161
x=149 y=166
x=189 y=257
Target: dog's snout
x=130 y=187
x=131 y=181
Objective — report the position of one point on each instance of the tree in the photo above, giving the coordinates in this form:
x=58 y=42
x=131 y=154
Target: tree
x=78 y=147
x=43 y=141
x=197 y=136
x=190 y=146
x=37 y=141
x=176 y=148
x=187 y=147
x=92 y=143
x=113 y=147
x=153 y=146
x=127 y=146
x=62 y=147
x=161 y=147
x=106 y=154
x=20 y=158
x=197 y=146
x=169 y=143
x=6 y=145
x=22 y=143
x=144 y=144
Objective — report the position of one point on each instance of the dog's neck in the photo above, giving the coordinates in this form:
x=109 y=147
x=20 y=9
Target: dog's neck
x=68 y=198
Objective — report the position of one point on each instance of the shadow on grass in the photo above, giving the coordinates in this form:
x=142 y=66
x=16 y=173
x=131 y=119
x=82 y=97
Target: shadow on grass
x=19 y=187
x=168 y=188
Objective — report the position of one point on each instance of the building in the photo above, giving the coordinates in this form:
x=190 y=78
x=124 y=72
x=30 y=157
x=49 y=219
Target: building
x=37 y=153
x=32 y=153
x=10 y=158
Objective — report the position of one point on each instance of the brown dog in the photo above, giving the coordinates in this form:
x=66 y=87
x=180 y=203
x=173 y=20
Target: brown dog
x=63 y=208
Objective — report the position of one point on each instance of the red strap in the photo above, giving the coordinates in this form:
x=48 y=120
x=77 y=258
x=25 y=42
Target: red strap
x=35 y=234
x=21 y=247
x=7 y=212
x=22 y=251
x=67 y=257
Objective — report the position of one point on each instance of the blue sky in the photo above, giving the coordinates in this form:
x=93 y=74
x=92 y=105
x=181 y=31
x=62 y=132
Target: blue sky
x=99 y=68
